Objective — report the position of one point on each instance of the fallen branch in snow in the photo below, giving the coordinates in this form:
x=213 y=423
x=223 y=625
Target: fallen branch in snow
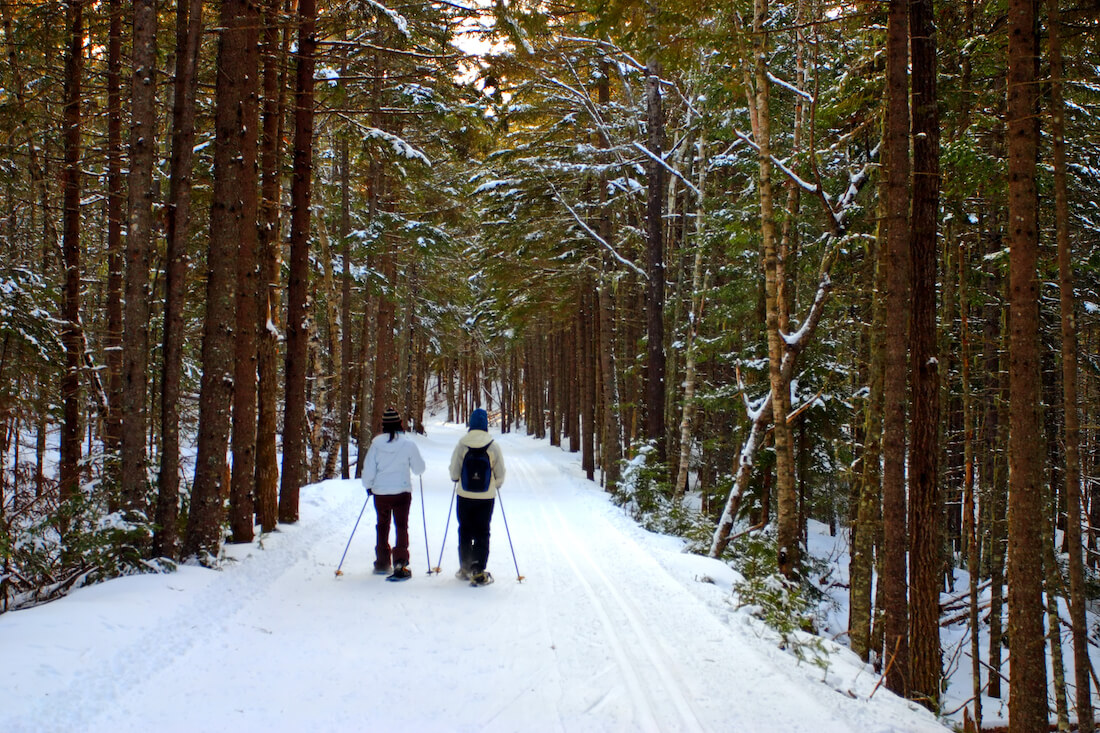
x=886 y=671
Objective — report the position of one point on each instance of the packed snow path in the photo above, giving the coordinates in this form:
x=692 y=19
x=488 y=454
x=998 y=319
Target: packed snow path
x=613 y=629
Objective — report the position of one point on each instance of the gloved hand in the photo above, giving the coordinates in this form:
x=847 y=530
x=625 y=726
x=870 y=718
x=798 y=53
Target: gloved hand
x=370 y=493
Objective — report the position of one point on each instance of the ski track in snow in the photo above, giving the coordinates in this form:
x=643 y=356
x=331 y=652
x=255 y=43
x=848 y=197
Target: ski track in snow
x=610 y=631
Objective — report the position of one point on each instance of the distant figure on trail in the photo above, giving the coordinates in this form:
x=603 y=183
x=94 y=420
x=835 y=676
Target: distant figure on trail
x=386 y=468
x=477 y=466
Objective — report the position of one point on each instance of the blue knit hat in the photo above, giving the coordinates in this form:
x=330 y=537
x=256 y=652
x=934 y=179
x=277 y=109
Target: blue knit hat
x=479 y=420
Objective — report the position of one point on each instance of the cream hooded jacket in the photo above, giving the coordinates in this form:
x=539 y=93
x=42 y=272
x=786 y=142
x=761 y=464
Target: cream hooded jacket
x=388 y=463
x=478 y=439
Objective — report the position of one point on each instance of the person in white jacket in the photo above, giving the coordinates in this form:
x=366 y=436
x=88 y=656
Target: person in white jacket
x=386 y=475
x=477 y=467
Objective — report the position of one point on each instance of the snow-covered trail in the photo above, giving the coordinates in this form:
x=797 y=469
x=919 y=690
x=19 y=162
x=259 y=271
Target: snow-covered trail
x=613 y=629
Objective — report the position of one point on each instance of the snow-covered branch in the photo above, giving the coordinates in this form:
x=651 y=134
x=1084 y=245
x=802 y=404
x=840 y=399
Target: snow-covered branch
x=596 y=235
x=668 y=168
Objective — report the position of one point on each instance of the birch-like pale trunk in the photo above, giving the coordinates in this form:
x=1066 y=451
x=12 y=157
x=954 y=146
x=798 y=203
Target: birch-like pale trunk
x=687 y=416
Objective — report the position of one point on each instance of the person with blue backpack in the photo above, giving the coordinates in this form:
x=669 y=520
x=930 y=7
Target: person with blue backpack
x=477 y=468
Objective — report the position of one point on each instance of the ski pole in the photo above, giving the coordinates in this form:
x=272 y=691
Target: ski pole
x=519 y=578
x=338 y=573
x=446 y=526
x=424 y=516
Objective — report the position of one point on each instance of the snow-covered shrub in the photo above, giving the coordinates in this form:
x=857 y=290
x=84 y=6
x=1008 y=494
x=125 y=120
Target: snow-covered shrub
x=787 y=607
x=645 y=492
x=47 y=552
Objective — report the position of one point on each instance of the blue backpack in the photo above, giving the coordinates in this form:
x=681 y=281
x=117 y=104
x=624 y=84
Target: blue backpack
x=477 y=470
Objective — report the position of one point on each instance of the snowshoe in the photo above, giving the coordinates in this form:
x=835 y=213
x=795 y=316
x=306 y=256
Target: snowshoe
x=400 y=572
x=482 y=578
x=462 y=574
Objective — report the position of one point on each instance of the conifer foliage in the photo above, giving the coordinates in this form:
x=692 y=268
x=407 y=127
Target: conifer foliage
x=764 y=266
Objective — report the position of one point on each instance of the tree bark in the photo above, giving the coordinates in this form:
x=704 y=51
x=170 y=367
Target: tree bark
x=139 y=243
x=177 y=226
x=868 y=528
x=1027 y=680
x=695 y=315
x=896 y=262
x=268 y=251
x=925 y=510
x=1072 y=431
x=788 y=533
x=69 y=466
x=242 y=489
x=655 y=263
x=208 y=494
x=112 y=340
x=297 y=329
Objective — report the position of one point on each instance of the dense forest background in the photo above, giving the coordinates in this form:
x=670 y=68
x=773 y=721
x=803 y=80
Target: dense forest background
x=756 y=262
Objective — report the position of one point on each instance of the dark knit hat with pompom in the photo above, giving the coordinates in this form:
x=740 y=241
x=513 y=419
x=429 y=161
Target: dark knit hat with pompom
x=391 y=421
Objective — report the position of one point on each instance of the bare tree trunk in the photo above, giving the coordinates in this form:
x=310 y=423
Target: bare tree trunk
x=1053 y=584
x=789 y=535
x=385 y=353
x=970 y=514
x=1067 y=300
x=242 y=490
x=868 y=527
x=895 y=258
x=112 y=341
x=925 y=511
x=69 y=466
x=177 y=224
x=1027 y=680
x=297 y=328
x=208 y=494
x=655 y=263
x=268 y=252
x=139 y=243
x=687 y=416
x=611 y=442
x=333 y=385
x=586 y=332
x=346 y=331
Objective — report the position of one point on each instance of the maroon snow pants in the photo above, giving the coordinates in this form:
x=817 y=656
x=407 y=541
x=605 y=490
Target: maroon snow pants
x=398 y=506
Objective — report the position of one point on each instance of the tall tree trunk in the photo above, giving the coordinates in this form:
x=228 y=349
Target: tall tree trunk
x=385 y=353
x=789 y=535
x=868 y=526
x=586 y=331
x=243 y=479
x=1081 y=664
x=1053 y=584
x=139 y=244
x=896 y=259
x=69 y=466
x=925 y=510
x=177 y=226
x=297 y=327
x=1027 y=681
x=112 y=341
x=268 y=251
x=655 y=262
x=208 y=494
x=687 y=416
x=346 y=331
x=970 y=511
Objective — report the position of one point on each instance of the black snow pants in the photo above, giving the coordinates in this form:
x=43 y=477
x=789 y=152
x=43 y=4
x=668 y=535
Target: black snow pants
x=474 y=517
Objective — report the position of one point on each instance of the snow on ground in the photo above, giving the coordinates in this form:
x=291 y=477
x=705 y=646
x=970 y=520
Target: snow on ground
x=612 y=629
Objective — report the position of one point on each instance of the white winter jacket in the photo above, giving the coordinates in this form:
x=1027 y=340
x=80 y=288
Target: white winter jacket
x=478 y=439
x=388 y=463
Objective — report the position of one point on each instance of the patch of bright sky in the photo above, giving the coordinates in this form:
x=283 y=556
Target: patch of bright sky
x=474 y=39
